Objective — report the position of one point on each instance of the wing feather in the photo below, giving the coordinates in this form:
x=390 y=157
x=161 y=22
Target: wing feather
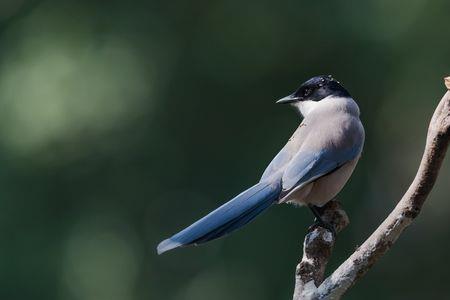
x=306 y=167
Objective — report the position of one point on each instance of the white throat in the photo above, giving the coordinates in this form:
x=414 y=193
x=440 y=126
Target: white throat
x=330 y=103
x=305 y=107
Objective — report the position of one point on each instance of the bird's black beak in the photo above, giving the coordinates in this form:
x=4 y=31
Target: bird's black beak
x=289 y=99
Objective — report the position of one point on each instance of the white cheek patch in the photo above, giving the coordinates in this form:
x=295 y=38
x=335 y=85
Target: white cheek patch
x=305 y=107
x=330 y=103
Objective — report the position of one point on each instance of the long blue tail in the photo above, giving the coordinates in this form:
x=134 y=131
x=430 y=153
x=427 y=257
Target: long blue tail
x=230 y=216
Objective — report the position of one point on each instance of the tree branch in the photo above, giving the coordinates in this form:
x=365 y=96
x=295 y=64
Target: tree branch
x=407 y=209
x=317 y=249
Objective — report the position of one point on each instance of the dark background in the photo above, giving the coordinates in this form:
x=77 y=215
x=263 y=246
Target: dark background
x=122 y=122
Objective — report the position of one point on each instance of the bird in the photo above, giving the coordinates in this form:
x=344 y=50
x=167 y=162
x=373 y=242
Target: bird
x=310 y=170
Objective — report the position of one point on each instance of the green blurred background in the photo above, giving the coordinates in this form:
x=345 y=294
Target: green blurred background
x=122 y=122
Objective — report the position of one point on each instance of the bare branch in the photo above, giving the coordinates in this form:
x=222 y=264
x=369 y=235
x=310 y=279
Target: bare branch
x=317 y=249
x=401 y=217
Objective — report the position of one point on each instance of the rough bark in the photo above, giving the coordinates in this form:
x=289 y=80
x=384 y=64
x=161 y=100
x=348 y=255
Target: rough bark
x=317 y=249
x=309 y=283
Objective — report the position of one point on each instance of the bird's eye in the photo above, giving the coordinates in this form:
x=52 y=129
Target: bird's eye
x=306 y=92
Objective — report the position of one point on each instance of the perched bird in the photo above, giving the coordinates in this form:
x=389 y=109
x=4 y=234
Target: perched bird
x=310 y=170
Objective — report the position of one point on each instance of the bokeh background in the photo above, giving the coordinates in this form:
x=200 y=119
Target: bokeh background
x=121 y=122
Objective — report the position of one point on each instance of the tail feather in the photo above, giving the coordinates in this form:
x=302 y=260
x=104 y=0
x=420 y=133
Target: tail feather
x=227 y=218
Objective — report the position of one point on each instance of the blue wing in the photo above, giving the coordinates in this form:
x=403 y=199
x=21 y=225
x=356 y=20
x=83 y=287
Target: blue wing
x=281 y=159
x=306 y=167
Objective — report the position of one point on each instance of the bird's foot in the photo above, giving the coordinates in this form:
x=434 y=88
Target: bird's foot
x=319 y=222
x=327 y=226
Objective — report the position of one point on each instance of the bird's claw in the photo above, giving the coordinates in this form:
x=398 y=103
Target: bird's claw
x=327 y=226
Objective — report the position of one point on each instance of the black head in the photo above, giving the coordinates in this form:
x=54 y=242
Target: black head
x=315 y=89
